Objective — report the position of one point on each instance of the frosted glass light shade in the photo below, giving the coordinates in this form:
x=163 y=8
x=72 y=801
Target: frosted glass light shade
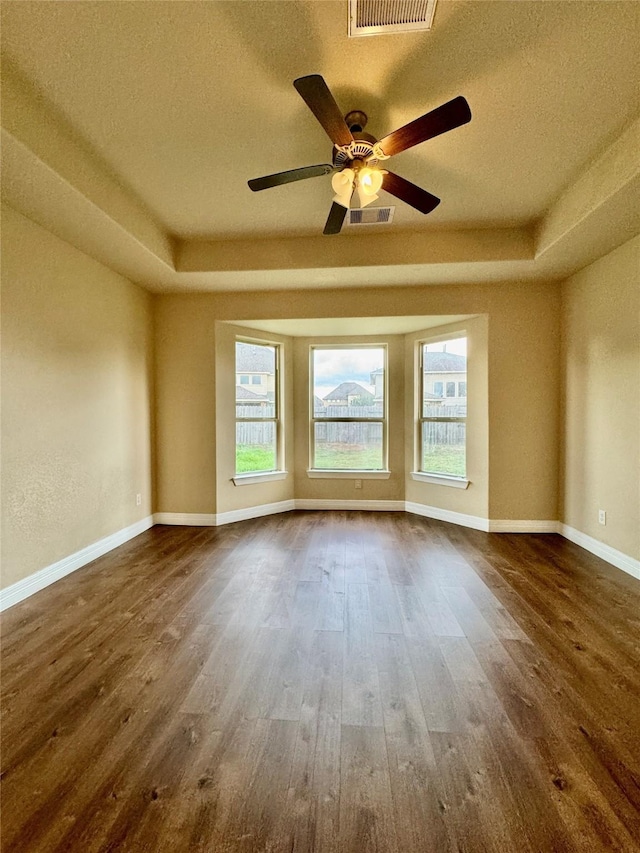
x=342 y=183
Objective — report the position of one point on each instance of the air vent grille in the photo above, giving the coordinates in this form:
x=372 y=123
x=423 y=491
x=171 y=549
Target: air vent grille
x=370 y=215
x=373 y=17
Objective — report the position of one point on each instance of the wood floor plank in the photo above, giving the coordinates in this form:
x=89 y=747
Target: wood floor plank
x=415 y=786
x=360 y=688
x=311 y=817
x=366 y=812
x=325 y=682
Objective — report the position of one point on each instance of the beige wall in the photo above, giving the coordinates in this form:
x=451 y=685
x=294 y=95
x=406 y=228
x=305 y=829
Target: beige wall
x=76 y=399
x=601 y=399
x=185 y=406
x=522 y=350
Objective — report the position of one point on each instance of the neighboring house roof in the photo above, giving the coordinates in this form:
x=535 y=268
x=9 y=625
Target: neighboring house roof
x=348 y=389
x=243 y=393
x=444 y=362
x=429 y=396
x=251 y=358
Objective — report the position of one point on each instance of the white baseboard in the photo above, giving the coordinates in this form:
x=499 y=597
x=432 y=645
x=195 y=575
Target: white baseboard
x=186 y=519
x=369 y=506
x=34 y=583
x=39 y=580
x=474 y=521
x=204 y=519
x=605 y=552
x=254 y=512
x=508 y=525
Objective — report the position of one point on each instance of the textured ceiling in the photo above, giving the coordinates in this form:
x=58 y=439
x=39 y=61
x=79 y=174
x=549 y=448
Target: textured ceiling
x=184 y=101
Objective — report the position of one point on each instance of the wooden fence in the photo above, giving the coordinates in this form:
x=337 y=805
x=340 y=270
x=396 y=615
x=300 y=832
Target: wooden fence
x=354 y=433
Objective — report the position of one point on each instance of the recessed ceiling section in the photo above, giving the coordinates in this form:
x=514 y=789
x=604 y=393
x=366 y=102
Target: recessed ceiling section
x=185 y=102
x=131 y=129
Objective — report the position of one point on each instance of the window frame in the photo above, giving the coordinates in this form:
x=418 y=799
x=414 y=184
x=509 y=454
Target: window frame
x=357 y=473
x=278 y=472
x=419 y=473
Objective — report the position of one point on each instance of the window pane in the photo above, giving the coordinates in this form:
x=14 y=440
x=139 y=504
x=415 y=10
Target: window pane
x=348 y=383
x=462 y=389
x=443 y=448
x=257 y=361
x=255 y=447
x=348 y=445
x=444 y=370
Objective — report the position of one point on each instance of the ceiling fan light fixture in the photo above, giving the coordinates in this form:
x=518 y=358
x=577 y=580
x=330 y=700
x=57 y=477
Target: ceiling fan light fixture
x=342 y=183
x=369 y=184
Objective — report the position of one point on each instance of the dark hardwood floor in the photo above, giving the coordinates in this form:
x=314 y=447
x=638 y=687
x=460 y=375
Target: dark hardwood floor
x=329 y=682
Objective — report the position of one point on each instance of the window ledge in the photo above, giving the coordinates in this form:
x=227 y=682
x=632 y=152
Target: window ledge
x=258 y=477
x=440 y=479
x=352 y=474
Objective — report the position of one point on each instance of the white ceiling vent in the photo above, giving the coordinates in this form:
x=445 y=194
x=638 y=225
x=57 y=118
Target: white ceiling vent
x=373 y=17
x=370 y=215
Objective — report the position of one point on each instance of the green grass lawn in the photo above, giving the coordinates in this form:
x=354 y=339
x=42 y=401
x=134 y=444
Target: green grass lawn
x=445 y=459
x=439 y=459
x=345 y=456
x=255 y=458
x=341 y=456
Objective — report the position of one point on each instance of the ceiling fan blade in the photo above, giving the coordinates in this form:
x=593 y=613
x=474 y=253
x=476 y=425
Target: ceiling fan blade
x=335 y=219
x=287 y=177
x=444 y=118
x=316 y=95
x=410 y=193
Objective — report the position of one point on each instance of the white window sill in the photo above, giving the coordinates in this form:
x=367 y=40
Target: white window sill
x=330 y=474
x=258 y=477
x=440 y=479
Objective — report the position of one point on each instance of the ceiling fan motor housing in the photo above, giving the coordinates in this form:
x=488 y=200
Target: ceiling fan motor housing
x=362 y=146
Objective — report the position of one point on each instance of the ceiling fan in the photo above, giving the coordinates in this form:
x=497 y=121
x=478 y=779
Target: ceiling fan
x=356 y=154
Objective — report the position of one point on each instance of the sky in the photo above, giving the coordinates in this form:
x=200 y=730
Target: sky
x=333 y=366
x=351 y=364
x=458 y=346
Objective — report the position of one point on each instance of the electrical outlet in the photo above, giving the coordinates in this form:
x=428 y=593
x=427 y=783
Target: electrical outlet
x=138 y=500
x=602 y=516
x=358 y=484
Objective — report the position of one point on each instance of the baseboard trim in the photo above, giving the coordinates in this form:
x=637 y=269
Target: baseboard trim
x=254 y=512
x=508 y=525
x=45 y=577
x=205 y=519
x=186 y=519
x=439 y=514
x=605 y=552
x=368 y=506
x=50 y=574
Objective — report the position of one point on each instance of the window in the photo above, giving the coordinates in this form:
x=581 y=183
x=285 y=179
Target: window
x=442 y=421
x=438 y=389
x=348 y=408
x=256 y=380
x=258 y=433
